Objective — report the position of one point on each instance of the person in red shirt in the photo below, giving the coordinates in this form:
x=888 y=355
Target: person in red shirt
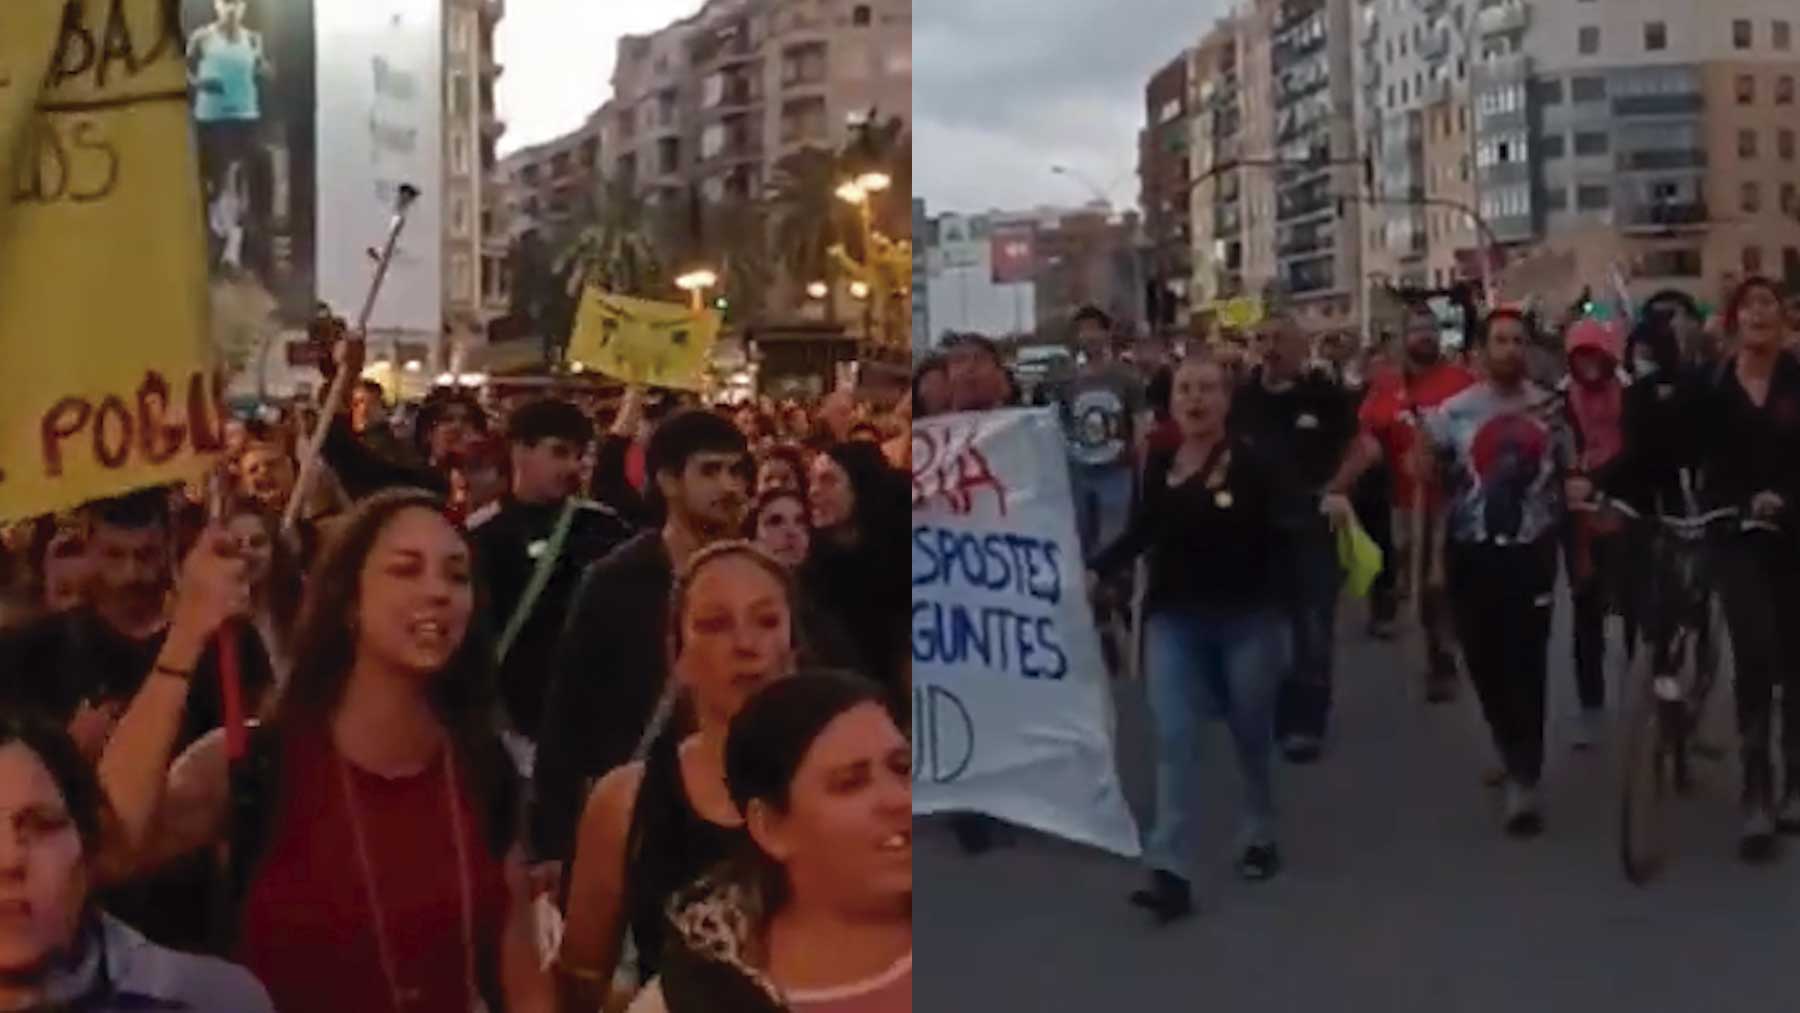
x=1389 y=420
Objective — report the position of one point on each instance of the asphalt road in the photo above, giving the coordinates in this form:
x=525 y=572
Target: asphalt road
x=1399 y=894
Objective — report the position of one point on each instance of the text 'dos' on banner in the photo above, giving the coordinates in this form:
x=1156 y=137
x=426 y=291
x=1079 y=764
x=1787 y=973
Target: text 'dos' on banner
x=104 y=350
x=1011 y=712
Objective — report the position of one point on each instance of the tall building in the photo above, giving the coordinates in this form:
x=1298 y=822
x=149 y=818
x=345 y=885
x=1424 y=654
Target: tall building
x=1231 y=257
x=1318 y=238
x=921 y=278
x=546 y=183
x=714 y=101
x=476 y=288
x=1655 y=135
x=1413 y=70
x=1165 y=181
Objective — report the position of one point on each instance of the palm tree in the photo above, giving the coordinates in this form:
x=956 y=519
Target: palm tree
x=806 y=212
x=611 y=245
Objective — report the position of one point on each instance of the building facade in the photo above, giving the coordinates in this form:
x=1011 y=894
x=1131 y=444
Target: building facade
x=476 y=286
x=1656 y=135
x=1165 y=180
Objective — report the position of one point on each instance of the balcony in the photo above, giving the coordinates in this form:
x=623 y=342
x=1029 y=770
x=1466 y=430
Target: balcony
x=1658 y=105
x=1301 y=207
x=1511 y=67
x=491 y=124
x=1436 y=47
x=1663 y=158
x=1369 y=32
x=1665 y=217
x=492 y=10
x=1371 y=74
x=1300 y=246
x=1504 y=19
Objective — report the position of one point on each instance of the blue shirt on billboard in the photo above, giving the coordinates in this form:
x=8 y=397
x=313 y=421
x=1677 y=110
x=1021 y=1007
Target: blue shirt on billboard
x=225 y=68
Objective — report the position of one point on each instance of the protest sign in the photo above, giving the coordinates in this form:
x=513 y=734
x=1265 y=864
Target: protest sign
x=657 y=344
x=104 y=345
x=1011 y=709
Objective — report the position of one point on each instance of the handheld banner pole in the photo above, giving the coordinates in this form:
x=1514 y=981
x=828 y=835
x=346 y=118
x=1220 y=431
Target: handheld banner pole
x=225 y=643
x=340 y=385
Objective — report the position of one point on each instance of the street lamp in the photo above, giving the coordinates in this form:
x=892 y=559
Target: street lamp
x=818 y=290
x=859 y=289
x=860 y=192
x=695 y=283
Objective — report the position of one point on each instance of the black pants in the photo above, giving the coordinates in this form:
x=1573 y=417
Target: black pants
x=1501 y=598
x=1596 y=594
x=1759 y=580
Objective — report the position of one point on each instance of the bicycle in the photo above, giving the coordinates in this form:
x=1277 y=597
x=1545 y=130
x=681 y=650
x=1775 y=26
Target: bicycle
x=1677 y=667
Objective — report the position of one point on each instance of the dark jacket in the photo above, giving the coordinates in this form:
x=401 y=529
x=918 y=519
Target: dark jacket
x=364 y=470
x=610 y=666
x=612 y=485
x=510 y=538
x=1748 y=449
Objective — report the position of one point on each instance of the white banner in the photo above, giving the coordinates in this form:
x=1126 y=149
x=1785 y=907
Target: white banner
x=1011 y=709
x=380 y=115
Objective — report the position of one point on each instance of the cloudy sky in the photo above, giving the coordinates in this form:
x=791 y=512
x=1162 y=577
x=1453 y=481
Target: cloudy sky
x=1004 y=89
x=558 y=56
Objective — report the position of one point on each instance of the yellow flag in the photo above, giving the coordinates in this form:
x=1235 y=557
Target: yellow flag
x=657 y=344
x=104 y=348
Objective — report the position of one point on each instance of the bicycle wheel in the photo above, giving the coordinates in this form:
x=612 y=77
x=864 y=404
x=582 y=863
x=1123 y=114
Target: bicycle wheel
x=1646 y=788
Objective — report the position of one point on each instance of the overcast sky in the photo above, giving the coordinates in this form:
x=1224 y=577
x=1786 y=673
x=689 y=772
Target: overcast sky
x=558 y=56
x=1004 y=89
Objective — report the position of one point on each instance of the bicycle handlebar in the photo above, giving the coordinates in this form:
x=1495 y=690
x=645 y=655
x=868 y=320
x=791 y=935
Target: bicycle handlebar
x=1680 y=525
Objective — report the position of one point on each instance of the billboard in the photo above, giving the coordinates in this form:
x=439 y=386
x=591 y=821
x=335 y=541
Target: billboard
x=1013 y=259
x=250 y=77
x=380 y=116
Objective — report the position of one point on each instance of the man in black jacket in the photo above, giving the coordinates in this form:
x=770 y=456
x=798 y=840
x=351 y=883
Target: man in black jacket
x=612 y=662
x=516 y=535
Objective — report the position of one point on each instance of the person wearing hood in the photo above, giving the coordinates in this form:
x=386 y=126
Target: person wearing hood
x=1594 y=543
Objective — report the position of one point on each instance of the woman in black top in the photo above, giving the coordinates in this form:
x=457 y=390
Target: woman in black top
x=861 y=559
x=1750 y=428
x=1208 y=522
x=654 y=826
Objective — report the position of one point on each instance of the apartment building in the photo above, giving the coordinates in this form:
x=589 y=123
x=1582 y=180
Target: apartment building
x=1229 y=98
x=1318 y=237
x=714 y=101
x=476 y=288
x=1165 y=182
x=546 y=184
x=1658 y=135
x=1413 y=65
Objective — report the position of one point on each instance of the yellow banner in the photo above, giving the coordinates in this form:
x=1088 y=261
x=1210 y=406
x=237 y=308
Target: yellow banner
x=657 y=344
x=104 y=349
x=1240 y=313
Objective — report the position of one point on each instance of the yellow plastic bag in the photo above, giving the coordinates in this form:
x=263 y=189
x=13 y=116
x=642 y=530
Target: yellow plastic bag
x=1359 y=557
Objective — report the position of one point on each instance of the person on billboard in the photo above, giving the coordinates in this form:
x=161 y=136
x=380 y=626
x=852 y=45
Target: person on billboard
x=227 y=66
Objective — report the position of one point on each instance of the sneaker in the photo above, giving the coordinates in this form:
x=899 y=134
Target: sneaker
x=1168 y=897
x=1756 y=842
x=1301 y=749
x=1523 y=817
x=1259 y=862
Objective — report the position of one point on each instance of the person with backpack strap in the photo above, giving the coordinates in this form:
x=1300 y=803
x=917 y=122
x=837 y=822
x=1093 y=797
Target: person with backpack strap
x=372 y=818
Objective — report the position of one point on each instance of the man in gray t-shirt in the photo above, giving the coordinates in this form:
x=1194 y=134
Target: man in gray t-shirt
x=1103 y=407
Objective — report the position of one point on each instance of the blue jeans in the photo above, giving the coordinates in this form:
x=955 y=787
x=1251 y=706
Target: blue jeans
x=1304 y=707
x=1206 y=664
x=1102 y=505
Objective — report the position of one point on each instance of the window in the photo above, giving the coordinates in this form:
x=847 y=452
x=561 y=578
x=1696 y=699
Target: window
x=1588 y=40
x=1656 y=36
x=462 y=281
x=1751 y=198
x=1784 y=90
x=861 y=16
x=1593 y=197
x=1742 y=36
x=1590 y=143
x=1784 y=144
x=459 y=216
x=1790 y=199
x=1556 y=198
x=1746 y=144
x=1746 y=90
x=459 y=154
x=1587 y=89
x=1549 y=91
x=1781 y=34
x=1551 y=145
x=1753 y=260
x=462 y=31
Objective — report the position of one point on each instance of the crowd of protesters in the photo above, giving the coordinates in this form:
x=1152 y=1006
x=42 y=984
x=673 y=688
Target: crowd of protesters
x=1487 y=457
x=548 y=703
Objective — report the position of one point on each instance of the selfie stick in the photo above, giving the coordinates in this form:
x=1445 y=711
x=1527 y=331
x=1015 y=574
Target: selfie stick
x=340 y=385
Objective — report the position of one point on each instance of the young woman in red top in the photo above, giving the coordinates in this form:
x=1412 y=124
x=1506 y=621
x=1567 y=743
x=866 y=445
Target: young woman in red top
x=380 y=885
